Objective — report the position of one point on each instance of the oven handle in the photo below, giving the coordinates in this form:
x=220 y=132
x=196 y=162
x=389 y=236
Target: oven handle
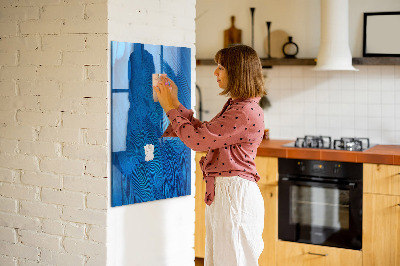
x=297 y=181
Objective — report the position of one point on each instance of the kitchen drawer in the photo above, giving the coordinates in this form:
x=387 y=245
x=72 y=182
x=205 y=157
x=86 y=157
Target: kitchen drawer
x=381 y=179
x=298 y=254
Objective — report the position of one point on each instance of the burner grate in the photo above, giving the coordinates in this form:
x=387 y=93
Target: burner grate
x=351 y=144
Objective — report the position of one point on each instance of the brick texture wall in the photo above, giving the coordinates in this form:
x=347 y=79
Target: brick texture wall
x=53 y=132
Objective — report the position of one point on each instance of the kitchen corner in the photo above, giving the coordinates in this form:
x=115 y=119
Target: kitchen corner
x=369 y=206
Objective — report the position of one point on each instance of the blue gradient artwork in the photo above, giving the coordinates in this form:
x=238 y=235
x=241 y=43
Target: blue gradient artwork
x=145 y=166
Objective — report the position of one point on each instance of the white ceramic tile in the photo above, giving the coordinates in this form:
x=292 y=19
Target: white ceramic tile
x=361 y=123
x=375 y=136
x=321 y=83
x=286 y=120
x=347 y=122
x=334 y=109
x=374 y=84
x=310 y=130
x=335 y=122
x=310 y=95
x=360 y=133
x=322 y=96
x=348 y=132
x=285 y=72
x=397 y=71
x=361 y=110
x=335 y=95
x=297 y=83
x=374 y=70
x=388 y=84
x=322 y=121
x=397 y=122
x=322 y=109
x=322 y=74
x=310 y=108
x=347 y=109
x=388 y=110
x=374 y=123
x=387 y=71
x=297 y=71
x=334 y=83
x=397 y=134
x=388 y=124
x=286 y=132
x=298 y=120
x=397 y=84
x=308 y=72
x=388 y=137
x=297 y=97
x=388 y=97
x=374 y=97
x=374 y=111
x=361 y=97
x=348 y=96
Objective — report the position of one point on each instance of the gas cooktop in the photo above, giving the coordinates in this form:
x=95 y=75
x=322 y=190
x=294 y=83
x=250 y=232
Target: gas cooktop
x=325 y=142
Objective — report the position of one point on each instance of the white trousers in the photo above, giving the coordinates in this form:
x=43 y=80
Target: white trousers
x=234 y=223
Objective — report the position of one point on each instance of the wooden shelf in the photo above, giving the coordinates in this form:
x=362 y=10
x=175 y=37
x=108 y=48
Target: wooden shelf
x=312 y=61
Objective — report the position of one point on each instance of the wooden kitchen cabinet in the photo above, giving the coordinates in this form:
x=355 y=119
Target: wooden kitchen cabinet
x=381 y=230
x=381 y=179
x=267 y=168
x=270 y=233
x=298 y=254
x=200 y=207
x=381 y=215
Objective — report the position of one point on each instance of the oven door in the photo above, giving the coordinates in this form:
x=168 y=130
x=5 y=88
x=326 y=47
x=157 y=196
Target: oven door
x=321 y=212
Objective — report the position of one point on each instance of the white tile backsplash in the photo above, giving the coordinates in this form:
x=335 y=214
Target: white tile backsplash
x=364 y=103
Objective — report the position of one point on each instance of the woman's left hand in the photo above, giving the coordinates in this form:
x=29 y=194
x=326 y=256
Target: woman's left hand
x=164 y=95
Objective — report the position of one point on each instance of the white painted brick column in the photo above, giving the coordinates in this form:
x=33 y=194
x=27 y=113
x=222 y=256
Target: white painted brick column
x=53 y=128
x=158 y=232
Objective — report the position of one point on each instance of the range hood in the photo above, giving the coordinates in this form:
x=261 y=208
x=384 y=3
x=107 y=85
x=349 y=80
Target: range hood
x=334 y=51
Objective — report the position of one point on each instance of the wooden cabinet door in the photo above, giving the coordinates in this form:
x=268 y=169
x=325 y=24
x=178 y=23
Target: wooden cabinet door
x=381 y=230
x=267 y=168
x=297 y=254
x=381 y=179
x=270 y=233
x=200 y=207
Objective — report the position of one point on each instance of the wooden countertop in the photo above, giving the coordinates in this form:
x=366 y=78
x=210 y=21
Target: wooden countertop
x=379 y=154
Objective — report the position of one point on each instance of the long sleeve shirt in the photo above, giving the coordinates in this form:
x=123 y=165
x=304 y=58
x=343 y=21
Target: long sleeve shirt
x=231 y=139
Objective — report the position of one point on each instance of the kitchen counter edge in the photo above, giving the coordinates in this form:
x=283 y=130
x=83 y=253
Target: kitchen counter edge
x=379 y=154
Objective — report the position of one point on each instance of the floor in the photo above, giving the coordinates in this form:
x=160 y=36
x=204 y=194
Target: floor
x=198 y=261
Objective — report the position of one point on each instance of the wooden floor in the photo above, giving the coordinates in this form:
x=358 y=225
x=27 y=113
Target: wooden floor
x=199 y=262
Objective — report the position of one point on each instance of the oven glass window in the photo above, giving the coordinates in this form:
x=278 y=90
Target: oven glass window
x=318 y=207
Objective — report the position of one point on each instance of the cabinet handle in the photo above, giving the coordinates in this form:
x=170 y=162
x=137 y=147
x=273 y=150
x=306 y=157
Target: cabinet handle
x=318 y=254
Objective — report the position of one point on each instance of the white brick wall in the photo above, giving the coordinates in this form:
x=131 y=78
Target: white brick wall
x=53 y=121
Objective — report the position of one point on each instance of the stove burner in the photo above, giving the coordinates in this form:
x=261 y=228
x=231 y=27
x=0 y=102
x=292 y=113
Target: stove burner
x=351 y=144
x=308 y=141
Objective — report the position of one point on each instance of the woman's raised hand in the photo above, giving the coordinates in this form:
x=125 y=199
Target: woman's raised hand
x=163 y=90
x=174 y=91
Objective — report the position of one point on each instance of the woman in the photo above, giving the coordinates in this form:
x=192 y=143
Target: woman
x=235 y=207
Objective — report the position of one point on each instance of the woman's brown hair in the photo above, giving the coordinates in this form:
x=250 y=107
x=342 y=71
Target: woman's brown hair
x=245 y=78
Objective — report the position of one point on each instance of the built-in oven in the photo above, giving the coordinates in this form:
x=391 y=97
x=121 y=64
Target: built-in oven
x=320 y=202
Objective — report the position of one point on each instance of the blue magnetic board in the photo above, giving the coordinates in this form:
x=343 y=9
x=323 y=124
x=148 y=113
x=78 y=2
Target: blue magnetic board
x=145 y=166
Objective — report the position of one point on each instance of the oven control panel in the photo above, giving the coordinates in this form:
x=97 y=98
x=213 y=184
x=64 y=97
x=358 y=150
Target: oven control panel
x=330 y=169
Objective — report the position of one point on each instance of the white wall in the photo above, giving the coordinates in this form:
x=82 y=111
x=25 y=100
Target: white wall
x=159 y=232
x=338 y=104
x=53 y=114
